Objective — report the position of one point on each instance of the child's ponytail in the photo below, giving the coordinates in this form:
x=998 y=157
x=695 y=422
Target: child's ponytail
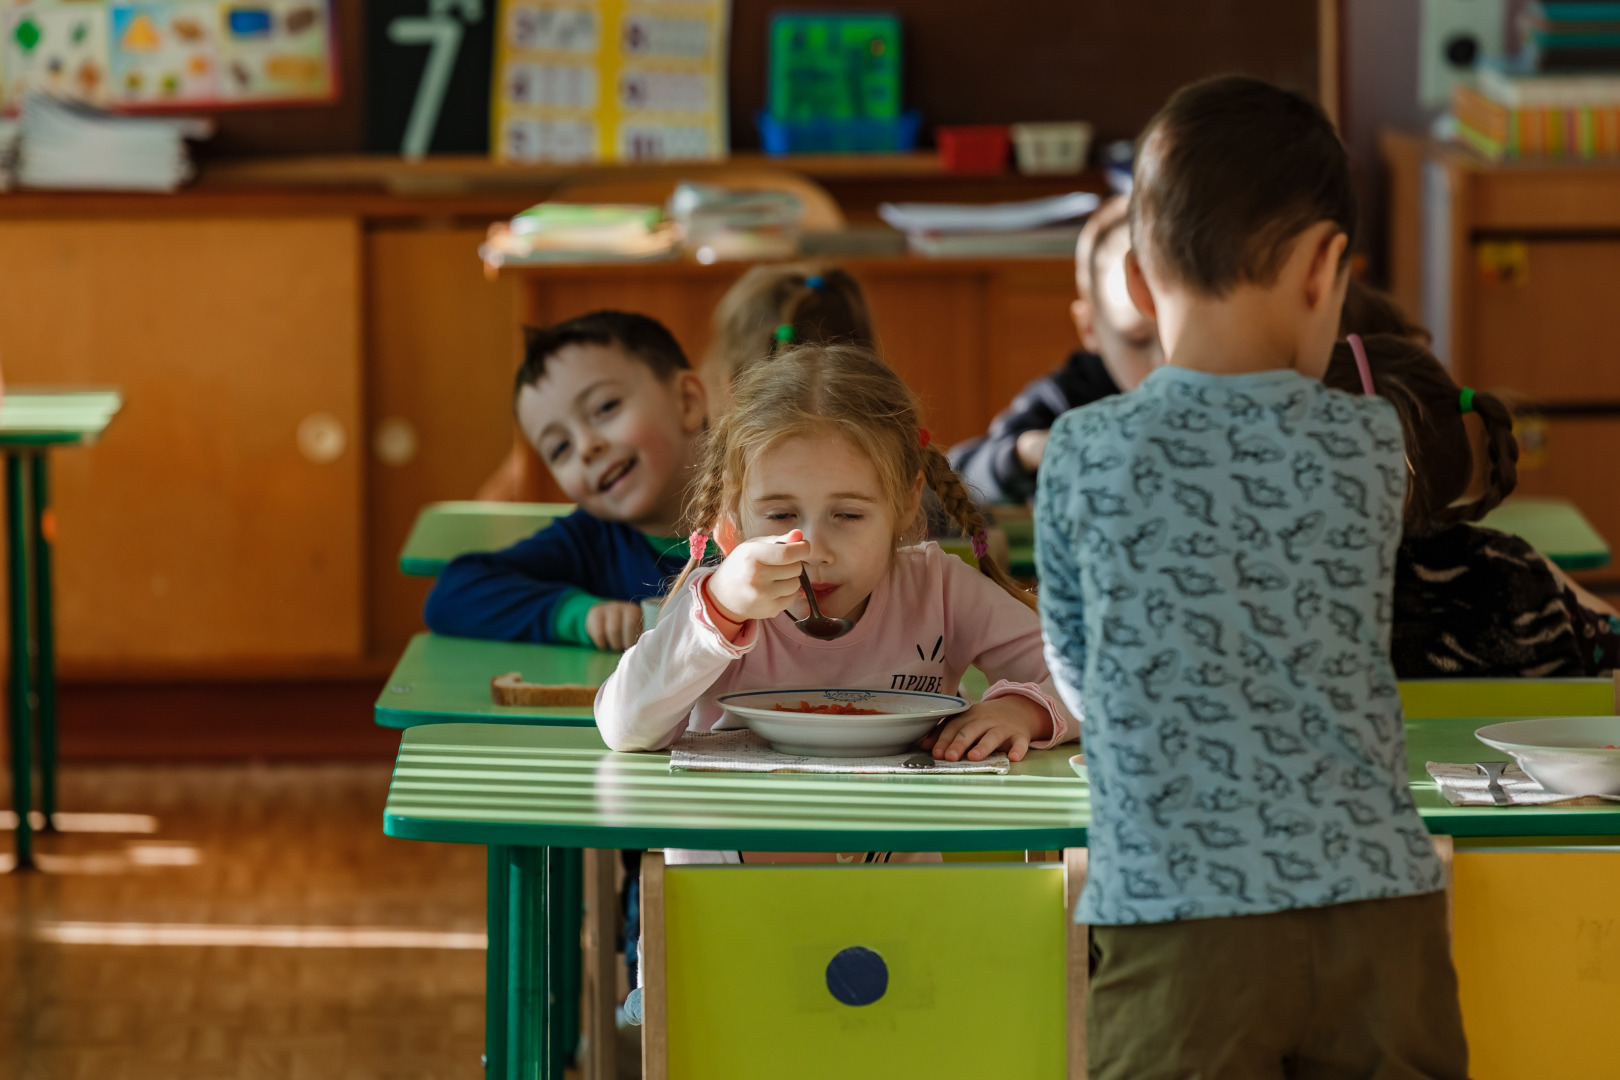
x=953 y=496
x=777 y=306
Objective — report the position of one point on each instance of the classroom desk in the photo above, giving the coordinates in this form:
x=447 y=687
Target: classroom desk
x=32 y=423
x=442 y=680
x=530 y=792
x=444 y=530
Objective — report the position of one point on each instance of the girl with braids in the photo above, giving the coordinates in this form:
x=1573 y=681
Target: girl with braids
x=772 y=307
x=1469 y=601
x=820 y=463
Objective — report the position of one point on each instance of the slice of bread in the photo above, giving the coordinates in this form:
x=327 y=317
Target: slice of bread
x=510 y=689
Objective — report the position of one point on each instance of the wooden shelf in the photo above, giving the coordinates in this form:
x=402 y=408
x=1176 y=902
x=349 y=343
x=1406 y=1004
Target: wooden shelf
x=461 y=174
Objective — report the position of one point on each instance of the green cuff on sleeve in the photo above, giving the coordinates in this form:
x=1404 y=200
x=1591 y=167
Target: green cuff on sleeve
x=568 y=617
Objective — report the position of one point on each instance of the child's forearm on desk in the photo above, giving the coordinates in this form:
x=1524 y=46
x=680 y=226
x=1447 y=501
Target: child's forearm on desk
x=646 y=702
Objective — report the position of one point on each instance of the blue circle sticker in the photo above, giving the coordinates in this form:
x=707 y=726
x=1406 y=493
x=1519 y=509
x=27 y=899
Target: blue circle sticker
x=857 y=976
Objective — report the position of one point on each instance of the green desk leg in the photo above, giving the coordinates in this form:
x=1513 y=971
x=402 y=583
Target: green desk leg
x=572 y=974
x=534 y=887
x=45 y=643
x=496 y=902
x=21 y=710
x=534 y=906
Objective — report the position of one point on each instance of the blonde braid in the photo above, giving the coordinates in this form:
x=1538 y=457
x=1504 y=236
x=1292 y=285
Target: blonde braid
x=703 y=509
x=953 y=496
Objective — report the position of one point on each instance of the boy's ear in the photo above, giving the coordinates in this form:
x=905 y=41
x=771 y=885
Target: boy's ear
x=693 y=400
x=1136 y=284
x=1322 y=279
x=1085 y=324
x=726 y=534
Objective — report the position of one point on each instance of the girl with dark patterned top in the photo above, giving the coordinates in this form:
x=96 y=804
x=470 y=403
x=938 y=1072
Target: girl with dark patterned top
x=1470 y=601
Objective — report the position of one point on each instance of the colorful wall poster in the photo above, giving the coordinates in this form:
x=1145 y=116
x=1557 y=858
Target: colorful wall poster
x=610 y=80
x=168 y=54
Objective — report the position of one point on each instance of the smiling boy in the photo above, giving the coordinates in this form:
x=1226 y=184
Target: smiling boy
x=614 y=409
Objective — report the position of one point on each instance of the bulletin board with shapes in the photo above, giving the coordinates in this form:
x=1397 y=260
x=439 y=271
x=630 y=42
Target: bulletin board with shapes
x=610 y=80
x=139 y=55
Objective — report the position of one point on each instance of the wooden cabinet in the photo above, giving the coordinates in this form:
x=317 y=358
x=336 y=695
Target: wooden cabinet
x=219 y=521
x=304 y=369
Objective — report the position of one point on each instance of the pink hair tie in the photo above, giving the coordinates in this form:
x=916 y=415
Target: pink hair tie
x=981 y=544
x=1360 y=351
x=697 y=543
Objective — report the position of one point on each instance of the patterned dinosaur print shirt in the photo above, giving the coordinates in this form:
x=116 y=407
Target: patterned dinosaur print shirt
x=1216 y=558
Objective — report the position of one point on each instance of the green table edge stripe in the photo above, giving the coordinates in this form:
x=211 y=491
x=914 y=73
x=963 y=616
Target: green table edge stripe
x=416 y=566
x=1581 y=562
x=47 y=438
x=402 y=719
x=404 y=827
x=595 y=836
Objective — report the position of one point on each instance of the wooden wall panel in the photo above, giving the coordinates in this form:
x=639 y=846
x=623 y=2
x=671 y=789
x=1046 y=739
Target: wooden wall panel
x=197 y=532
x=444 y=343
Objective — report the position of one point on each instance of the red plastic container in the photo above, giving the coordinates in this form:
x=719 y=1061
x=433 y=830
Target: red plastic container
x=976 y=148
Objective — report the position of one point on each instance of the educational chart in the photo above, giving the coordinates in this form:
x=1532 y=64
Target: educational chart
x=610 y=80
x=163 y=54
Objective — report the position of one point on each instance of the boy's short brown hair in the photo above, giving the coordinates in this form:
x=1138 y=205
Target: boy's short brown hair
x=1229 y=172
x=640 y=336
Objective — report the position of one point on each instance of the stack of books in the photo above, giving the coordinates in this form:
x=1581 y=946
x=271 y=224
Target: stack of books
x=1506 y=115
x=1571 y=36
x=560 y=232
x=65 y=145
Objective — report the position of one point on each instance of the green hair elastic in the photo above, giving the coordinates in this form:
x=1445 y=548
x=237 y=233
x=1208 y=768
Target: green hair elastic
x=784 y=333
x=1465 y=400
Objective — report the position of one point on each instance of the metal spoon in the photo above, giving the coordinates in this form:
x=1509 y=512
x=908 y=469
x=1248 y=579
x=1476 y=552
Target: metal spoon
x=816 y=624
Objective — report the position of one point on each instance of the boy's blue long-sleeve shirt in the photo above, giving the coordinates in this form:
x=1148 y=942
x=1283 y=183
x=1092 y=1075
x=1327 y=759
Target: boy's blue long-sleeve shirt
x=540 y=589
x=1217 y=558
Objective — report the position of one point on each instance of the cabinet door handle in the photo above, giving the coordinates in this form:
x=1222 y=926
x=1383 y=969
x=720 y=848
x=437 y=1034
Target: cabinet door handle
x=321 y=438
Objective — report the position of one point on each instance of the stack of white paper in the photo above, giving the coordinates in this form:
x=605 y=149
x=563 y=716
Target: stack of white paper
x=66 y=145
x=1039 y=227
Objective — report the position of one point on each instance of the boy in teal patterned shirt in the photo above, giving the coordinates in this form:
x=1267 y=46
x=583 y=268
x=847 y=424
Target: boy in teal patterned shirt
x=1216 y=553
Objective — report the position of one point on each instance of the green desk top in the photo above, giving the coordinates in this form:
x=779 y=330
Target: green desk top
x=445 y=679
x=447 y=529
x=1553 y=527
x=533 y=786
x=489 y=784
x=41 y=417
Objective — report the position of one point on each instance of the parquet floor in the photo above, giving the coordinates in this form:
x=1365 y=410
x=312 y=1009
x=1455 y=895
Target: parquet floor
x=232 y=852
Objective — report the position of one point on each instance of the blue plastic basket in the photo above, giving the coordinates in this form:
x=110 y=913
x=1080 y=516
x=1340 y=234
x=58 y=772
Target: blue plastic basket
x=840 y=136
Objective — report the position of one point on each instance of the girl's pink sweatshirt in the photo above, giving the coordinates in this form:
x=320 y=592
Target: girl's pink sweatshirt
x=930 y=617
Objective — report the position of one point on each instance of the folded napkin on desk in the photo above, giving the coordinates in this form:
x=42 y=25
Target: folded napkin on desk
x=1465 y=785
x=741 y=750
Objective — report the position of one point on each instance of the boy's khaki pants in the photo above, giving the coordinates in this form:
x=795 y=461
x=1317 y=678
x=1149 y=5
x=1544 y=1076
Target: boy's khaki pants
x=1347 y=992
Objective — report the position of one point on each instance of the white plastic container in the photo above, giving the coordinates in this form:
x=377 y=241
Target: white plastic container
x=1052 y=149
